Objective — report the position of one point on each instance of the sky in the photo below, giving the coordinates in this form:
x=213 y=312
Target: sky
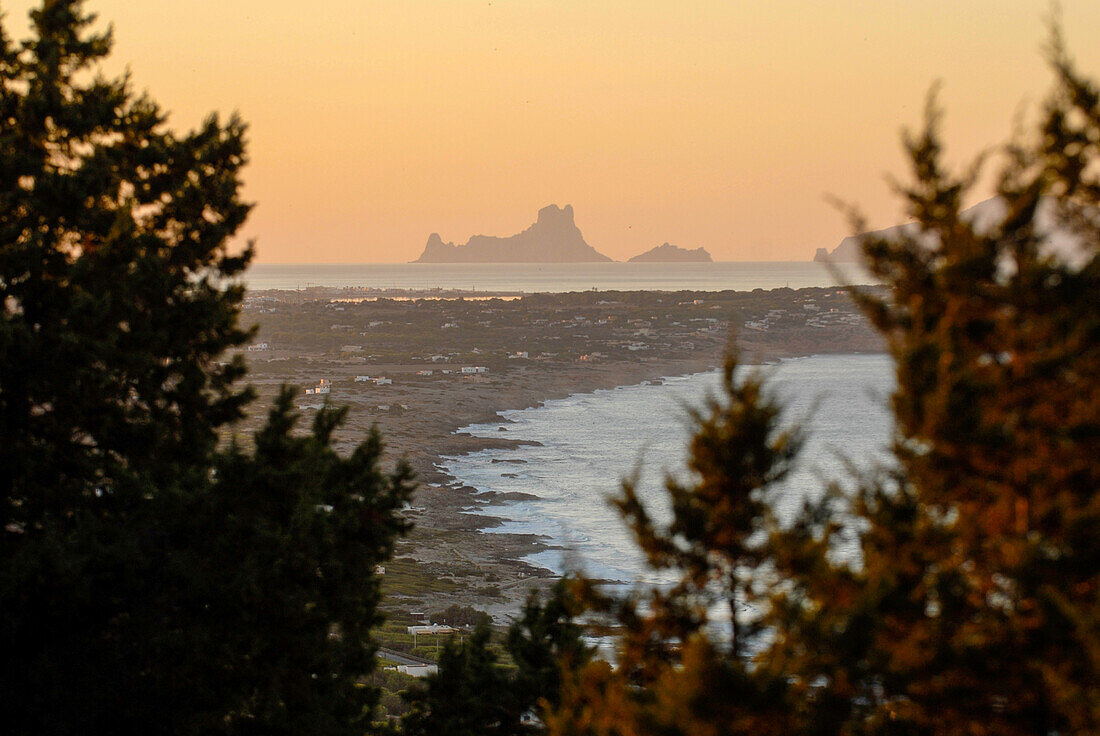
x=715 y=123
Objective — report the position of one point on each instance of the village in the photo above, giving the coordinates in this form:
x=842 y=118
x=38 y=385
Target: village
x=325 y=339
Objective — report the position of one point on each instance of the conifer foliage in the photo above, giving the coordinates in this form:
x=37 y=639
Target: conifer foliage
x=974 y=604
x=472 y=695
x=150 y=580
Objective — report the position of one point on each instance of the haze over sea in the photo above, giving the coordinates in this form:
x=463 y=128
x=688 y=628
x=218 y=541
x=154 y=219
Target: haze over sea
x=589 y=442
x=553 y=277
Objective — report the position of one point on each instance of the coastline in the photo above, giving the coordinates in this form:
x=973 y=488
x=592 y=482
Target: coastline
x=445 y=508
x=577 y=343
x=452 y=538
x=448 y=557
x=593 y=440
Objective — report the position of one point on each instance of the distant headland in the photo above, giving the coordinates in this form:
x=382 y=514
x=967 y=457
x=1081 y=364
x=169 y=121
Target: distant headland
x=553 y=238
x=669 y=253
x=1060 y=241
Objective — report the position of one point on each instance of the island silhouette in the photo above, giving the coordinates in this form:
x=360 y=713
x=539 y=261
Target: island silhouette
x=553 y=238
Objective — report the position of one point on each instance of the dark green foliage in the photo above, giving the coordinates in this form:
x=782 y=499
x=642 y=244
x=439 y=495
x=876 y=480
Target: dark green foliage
x=150 y=582
x=113 y=268
x=305 y=529
x=472 y=695
x=545 y=637
x=467 y=697
x=456 y=615
x=392 y=686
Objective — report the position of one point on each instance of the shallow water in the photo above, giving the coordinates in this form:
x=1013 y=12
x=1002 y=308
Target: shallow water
x=589 y=442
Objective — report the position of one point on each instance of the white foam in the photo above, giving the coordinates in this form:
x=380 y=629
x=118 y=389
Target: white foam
x=589 y=442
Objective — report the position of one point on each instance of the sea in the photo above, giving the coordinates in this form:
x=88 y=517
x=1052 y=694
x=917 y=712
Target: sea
x=531 y=278
x=588 y=443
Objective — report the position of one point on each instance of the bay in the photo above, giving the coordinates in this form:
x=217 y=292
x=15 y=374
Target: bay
x=589 y=442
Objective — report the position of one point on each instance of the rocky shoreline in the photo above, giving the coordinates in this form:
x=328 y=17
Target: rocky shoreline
x=451 y=555
x=445 y=508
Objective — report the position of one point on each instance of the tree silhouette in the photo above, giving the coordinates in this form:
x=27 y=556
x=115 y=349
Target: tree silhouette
x=151 y=582
x=471 y=695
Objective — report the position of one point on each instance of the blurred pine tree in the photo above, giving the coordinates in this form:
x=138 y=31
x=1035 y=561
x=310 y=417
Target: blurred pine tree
x=975 y=605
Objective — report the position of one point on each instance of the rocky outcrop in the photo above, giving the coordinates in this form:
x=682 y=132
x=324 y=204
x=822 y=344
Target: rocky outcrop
x=553 y=238
x=849 y=251
x=669 y=253
x=1060 y=243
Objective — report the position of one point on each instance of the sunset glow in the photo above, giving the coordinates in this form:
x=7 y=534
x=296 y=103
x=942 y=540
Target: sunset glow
x=708 y=123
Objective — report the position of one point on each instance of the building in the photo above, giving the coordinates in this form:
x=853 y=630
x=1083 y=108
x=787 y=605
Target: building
x=432 y=629
x=323 y=387
x=376 y=380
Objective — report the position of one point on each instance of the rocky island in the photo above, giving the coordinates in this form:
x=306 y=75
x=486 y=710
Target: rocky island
x=553 y=238
x=669 y=253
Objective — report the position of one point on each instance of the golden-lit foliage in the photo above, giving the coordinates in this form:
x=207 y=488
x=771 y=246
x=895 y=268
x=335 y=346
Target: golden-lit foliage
x=974 y=607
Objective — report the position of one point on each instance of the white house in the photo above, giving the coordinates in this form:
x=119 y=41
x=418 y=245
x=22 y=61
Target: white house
x=376 y=380
x=323 y=387
x=260 y=346
x=432 y=629
x=468 y=370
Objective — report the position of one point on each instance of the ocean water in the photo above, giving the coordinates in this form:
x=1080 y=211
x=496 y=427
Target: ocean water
x=552 y=277
x=589 y=442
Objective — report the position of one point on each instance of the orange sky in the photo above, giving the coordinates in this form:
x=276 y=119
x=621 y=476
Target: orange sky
x=714 y=123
